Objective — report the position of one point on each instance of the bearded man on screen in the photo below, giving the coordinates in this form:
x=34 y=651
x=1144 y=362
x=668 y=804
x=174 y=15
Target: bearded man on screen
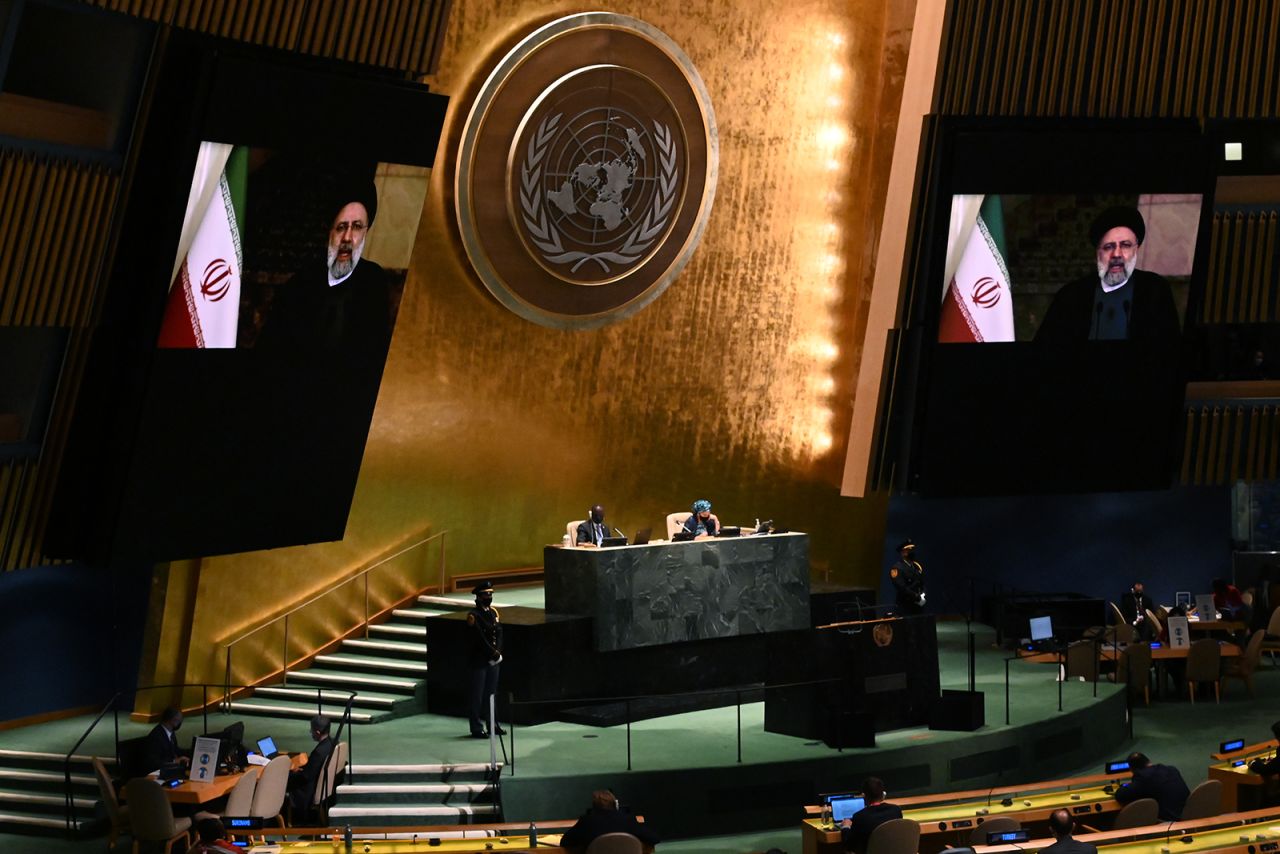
x=1120 y=302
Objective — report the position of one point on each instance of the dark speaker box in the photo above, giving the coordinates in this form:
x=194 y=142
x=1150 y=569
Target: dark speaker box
x=849 y=729
x=958 y=710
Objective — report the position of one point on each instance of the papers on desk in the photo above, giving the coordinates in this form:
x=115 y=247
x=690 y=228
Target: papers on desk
x=257 y=759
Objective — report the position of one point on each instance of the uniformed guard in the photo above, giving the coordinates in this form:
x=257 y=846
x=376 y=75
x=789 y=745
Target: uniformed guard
x=908 y=579
x=484 y=656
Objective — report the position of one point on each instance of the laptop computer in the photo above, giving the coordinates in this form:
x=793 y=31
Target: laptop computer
x=845 y=806
x=267 y=747
x=730 y=531
x=642 y=537
x=613 y=542
x=682 y=536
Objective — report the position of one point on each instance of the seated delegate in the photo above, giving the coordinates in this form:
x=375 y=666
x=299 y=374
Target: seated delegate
x=702 y=522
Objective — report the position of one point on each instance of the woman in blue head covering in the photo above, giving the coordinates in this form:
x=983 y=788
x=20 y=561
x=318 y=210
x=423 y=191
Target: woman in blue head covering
x=702 y=523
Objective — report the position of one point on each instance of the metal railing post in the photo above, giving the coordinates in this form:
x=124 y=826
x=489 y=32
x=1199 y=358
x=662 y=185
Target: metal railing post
x=511 y=704
x=366 y=605
x=440 y=585
x=284 y=654
x=628 y=733
x=738 y=702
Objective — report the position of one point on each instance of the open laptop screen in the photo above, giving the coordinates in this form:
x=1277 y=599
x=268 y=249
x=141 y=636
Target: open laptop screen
x=842 y=808
x=267 y=746
x=1041 y=628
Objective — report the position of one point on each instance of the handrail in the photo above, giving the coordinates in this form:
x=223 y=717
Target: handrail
x=325 y=593
x=113 y=706
x=362 y=574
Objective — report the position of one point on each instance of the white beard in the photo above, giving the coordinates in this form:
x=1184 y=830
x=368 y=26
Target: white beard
x=339 y=270
x=1114 y=279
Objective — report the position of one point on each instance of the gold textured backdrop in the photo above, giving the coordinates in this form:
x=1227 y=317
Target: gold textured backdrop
x=735 y=385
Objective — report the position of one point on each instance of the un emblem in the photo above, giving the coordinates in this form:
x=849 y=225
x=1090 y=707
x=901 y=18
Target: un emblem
x=601 y=136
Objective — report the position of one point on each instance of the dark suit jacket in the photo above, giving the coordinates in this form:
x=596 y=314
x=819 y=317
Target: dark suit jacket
x=598 y=822
x=858 y=833
x=159 y=749
x=1162 y=782
x=584 y=532
x=1129 y=606
x=302 y=783
x=1067 y=845
x=712 y=524
x=1153 y=314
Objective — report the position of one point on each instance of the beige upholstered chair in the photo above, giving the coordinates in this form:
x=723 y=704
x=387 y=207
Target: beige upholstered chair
x=1139 y=813
x=675 y=521
x=1134 y=667
x=1204 y=664
x=1271 y=644
x=1124 y=631
x=118 y=815
x=1157 y=625
x=328 y=783
x=1242 y=668
x=999 y=824
x=152 y=817
x=240 y=801
x=895 y=836
x=1082 y=661
x=572 y=530
x=268 y=796
x=1205 y=801
x=615 y=843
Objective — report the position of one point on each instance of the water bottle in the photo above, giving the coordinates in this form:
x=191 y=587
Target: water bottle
x=533 y=834
x=564 y=542
x=826 y=816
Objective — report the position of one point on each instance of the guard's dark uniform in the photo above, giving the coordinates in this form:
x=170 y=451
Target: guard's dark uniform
x=908 y=579
x=483 y=656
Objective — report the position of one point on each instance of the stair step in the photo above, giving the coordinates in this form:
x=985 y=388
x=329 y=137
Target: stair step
x=302 y=695
x=12 y=757
x=358 y=680
x=373 y=646
x=397 y=630
x=31 y=799
x=429 y=768
x=40 y=821
x=302 y=711
x=372 y=663
x=448 y=603
x=47 y=777
x=414 y=788
x=417 y=614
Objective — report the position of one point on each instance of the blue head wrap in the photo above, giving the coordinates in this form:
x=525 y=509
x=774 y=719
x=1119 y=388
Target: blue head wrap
x=701 y=504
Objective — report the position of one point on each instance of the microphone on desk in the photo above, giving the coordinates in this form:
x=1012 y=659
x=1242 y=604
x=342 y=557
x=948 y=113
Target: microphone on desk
x=619 y=533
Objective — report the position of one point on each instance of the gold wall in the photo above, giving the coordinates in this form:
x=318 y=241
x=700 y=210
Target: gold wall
x=735 y=385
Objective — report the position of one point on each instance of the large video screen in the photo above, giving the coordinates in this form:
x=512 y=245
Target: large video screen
x=1067 y=255
x=251 y=306
x=1067 y=268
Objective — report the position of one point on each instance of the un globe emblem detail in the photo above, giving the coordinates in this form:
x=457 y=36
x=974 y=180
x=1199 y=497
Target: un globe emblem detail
x=598 y=190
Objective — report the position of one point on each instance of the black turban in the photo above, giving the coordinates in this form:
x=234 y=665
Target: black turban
x=1115 y=217
x=362 y=191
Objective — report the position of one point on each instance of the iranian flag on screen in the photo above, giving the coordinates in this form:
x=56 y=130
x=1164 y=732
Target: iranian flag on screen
x=976 y=304
x=204 y=295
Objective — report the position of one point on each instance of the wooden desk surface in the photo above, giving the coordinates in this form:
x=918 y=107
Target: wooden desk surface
x=1220 y=833
x=1110 y=653
x=188 y=792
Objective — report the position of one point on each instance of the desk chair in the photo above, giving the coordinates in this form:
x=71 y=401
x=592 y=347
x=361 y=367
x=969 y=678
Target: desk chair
x=1205 y=801
x=327 y=785
x=999 y=824
x=572 y=530
x=1139 y=813
x=1134 y=668
x=615 y=843
x=1271 y=644
x=152 y=817
x=675 y=521
x=1242 y=668
x=1124 y=631
x=268 y=795
x=1082 y=661
x=1204 y=664
x=895 y=836
x=1157 y=625
x=118 y=815
x=240 y=801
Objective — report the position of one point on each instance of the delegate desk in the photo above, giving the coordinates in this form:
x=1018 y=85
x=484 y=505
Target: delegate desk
x=508 y=837
x=667 y=592
x=192 y=793
x=548 y=843
x=947 y=819
x=1256 y=832
x=1160 y=657
x=1241 y=788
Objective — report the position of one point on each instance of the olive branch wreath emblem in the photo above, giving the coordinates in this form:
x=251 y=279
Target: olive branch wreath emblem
x=544 y=234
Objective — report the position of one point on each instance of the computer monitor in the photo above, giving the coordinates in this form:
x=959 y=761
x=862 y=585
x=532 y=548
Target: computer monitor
x=1041 y=628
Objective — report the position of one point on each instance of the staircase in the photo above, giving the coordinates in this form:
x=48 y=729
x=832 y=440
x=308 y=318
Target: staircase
x=33 y=792
x=401 y=795
x=387 y=670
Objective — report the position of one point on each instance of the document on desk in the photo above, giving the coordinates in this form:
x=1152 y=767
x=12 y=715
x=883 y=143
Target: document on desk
x=204 y=760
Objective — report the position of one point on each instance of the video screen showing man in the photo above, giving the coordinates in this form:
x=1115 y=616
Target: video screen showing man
x=291 y=249
x=1121 y=302
x=1068 y=268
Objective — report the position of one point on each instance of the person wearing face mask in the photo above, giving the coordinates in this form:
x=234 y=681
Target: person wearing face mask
x=1116 y=302
x=592 y=532
x=161 y=747
x=702 y=522
x=484 y=657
